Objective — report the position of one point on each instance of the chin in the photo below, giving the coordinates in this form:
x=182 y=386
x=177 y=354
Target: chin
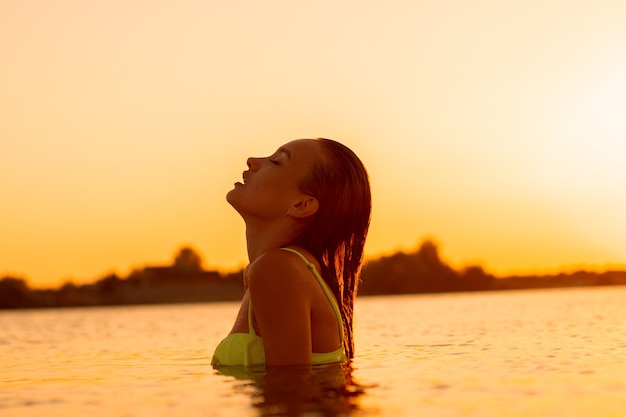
x=229 y=196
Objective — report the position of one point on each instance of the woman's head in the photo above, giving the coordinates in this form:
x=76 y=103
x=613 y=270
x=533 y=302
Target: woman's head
x=337 y=231
x=270 y=190
x=340 y=184
x=320 y=189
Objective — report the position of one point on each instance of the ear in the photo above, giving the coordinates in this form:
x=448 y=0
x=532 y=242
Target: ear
x=304 y=207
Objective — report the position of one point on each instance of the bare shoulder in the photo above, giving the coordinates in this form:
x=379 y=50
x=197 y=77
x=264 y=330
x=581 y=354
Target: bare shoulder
x=278 y=271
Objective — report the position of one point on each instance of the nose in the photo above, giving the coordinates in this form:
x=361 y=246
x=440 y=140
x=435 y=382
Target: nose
x=252 y=163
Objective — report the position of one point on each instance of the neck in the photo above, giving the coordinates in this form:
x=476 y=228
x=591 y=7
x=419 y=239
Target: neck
x=263 y=236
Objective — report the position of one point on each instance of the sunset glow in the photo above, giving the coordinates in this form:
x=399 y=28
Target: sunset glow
x=496 y=128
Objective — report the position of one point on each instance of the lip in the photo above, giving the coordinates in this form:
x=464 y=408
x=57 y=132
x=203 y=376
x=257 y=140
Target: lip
x=244 y=175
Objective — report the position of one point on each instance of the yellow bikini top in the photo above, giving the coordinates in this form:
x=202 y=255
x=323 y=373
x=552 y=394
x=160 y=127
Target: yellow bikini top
x=247 y=348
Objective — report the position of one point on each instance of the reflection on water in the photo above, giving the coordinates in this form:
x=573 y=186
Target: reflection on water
x=513 y=354
x=323 y=390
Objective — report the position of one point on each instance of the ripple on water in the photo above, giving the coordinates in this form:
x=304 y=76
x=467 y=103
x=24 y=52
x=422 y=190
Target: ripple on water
x=531 y=353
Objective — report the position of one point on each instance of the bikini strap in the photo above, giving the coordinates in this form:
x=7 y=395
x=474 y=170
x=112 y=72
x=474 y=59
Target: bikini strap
x=329 y=294
x=250 y=324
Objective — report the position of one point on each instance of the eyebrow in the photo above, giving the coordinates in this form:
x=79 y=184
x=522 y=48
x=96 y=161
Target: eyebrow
x=286 y=151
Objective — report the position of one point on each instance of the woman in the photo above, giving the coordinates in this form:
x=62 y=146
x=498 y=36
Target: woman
x=307 y=212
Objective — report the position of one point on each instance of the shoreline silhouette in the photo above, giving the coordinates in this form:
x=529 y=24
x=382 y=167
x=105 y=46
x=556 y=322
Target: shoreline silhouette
x=185 y=280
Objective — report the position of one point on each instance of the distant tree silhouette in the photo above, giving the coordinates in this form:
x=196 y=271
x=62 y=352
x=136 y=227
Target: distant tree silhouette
x=14 y=292
x=187 y=259
x=108 y=284
x=435 y=274
x=420 y=272
x=395 y=274
x=185 y=280
x=474 y=278
x=71 y=294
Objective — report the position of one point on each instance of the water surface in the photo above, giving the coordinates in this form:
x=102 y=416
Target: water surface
x=518 y=353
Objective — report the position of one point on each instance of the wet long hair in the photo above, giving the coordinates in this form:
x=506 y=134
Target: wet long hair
x=336 y=235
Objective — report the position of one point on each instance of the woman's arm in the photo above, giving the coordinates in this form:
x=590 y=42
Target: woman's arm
x=281 y=303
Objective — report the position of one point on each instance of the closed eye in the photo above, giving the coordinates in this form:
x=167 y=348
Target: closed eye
x=280 y=156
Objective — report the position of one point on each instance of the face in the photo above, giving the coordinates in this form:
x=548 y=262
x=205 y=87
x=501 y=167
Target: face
x=270 y=185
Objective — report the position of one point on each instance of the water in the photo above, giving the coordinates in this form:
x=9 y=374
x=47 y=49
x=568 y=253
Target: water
x=521 y=353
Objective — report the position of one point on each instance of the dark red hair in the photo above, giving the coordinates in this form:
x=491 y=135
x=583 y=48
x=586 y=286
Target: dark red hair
x=336 y=235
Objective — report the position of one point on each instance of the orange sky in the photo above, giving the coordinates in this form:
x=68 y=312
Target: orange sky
x=496 y=127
